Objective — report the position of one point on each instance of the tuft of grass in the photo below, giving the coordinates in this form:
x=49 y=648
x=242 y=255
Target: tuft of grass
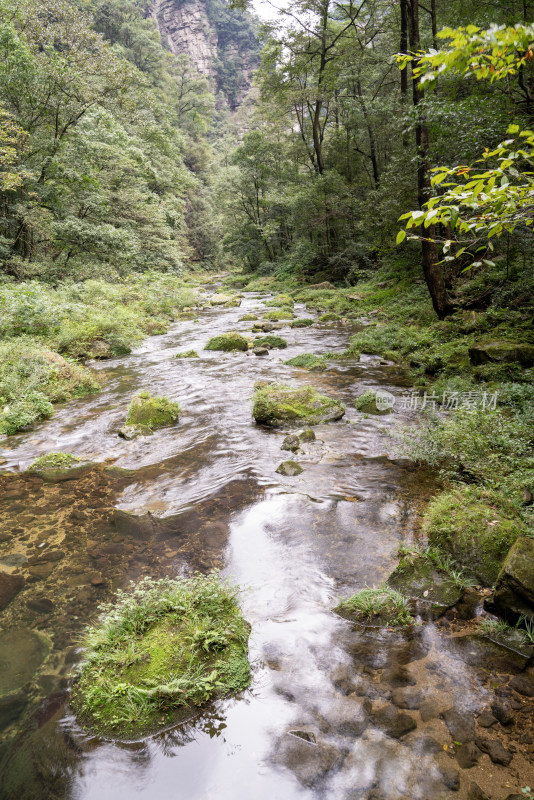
x=278 y=315
x=281 y=301
x=54 y=461
x=248 y=317
x=330 y=316
x=163 y=647
x=187 y=354
x=377 y=606
x=304 y=322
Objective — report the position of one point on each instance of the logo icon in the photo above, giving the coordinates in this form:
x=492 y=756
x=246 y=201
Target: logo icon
x=384 y=400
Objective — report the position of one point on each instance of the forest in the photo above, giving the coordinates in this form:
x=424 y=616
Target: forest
x=350 y=181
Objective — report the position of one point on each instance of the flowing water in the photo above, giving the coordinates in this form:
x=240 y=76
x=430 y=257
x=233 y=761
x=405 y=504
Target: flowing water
x=318 y=721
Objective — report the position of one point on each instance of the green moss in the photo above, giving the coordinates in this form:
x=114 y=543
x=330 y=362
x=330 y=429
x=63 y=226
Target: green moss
x=281 y=300
x=276 y=316
x=54 y=461
x=272 y=341
x=366 y=403
x=476 y=527
x=302 y=323
x=307 y=361
x=227 y=342
x=330 y=316
x=152 y=412
x=248 y=317
x=160 y=650
x=187 y=354
x=275 y=404
x=380 y=606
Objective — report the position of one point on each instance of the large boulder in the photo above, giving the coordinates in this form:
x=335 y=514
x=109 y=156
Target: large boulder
x=514 y=590
x=276 y=405
x=502 y=353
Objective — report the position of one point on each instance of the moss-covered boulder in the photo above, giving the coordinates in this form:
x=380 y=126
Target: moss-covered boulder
x=291 y=442
x=152 y=412
x=502 y=353
x=248 y=318
x=307 y=361
x=278 y=315
x=514 y=590
x=304 y=322
x=366 y=403
x=476 y=527
x=418 y=579
x=160 y=651
x=277 y=404
x=54 y=461
x=131 y=432
x=276 y=342
x=281 y=300
x=187 y=354
x=228 y=342
x=307 y=436
x=220 y=299
x=289 y=469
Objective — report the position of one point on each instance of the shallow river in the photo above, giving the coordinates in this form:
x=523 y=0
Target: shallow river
x=206 y=494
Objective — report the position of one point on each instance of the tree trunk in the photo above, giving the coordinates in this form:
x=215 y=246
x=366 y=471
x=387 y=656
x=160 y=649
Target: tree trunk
x=430 y=259
x=404 y=45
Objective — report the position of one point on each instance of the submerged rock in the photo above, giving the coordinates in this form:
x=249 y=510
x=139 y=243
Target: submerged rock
x=260 y=351
x=22 y=652
x=10 y=585
x=289 y=469
x=394 y=723
x=277 y=404
x=514 y=589
x=308 y=761
x=418 y=579
x=151 y=412
x=227 y=342
x=502 y=353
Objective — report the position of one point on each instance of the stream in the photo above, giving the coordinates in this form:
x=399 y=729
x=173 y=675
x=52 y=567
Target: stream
x=323 y=718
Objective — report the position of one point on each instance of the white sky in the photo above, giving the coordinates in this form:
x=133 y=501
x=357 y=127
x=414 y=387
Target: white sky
x=265 y=10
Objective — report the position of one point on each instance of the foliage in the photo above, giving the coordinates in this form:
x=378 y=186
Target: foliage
x=162 y=646
x=279 y=314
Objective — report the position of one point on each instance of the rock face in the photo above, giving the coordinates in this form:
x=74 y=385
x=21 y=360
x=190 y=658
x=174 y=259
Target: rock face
x=502 y=353
x=218 y=45
x=514 y=590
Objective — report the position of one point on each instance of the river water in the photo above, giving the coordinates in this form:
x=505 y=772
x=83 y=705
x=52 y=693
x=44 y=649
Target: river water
x=318 y=721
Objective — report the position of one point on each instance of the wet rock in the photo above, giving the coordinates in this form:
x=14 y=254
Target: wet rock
x=277 y=404
x=308 y=762
x=523 y=685
x=307 y=436
x=429 y=710
x=502 y=353
x=22 y=652
x=41 y=572
x=476 y=650
x=289 y=469
x=260 y=351
x=228 y=342
x=43 y=605
x=394 y=723
x=475 y=792
x=486 y=719
x=349 y=718
x=97 y=580
x=397 y=676
x=407 y=697
x=419 y=580
x=450 y=777
x=130 y=432
x=468 y=606
x=514 y=589
x=503 y=713
x=468 y=755
x=264 y=326
x=11 y=706
x=495 y=750
x=10 y=585
x=429 y=746
x=460 y=726
x=291 y=442
x=343 y=679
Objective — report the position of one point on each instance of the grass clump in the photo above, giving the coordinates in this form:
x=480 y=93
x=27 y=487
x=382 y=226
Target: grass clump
x=277 y=404
x=152 y=412
x=307 y=361
x=304 y=322
x=330 y=316
x=278 y=315
x=248 y=317
x=227 y=342
x=187 y=354
x=54 y=461
x=281 y=301
x=270 y=340
x=160 y=650
x=379 y=606
x=476 y=527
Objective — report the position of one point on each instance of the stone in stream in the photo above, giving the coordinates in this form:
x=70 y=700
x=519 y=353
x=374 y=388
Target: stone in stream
x=289 y=469
x=307 y=436
x=475 y=792
x=278 y=405
x=22 y=651
x=264 y=326
x=291 y=442
x=468 y=755
x=228 y=342
x=420 y=580
x=523 y=685
x=43 y=605
x=220 y=299
x=450 y=777
x=152 y=412
x=394 y=723
x=503 y=713
x=308 y=761
x=408 y=697
x=10 y=585
x=486 y=719
x=495 y=750
x=514 y=590
x=460 y=726
x=260 y=351
x=130 y=432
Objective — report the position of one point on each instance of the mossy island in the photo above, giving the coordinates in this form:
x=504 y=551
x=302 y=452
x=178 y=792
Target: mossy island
x=279 y=405
x=227 y=342
x=52 y=461
x=147 y=413
x=275 y=342
x=281 y=301
x=159 y=652
x=307 y=361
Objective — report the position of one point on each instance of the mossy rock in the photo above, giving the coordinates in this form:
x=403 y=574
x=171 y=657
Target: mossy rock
x=152 y=412
x=307 y=361
x=476 y=527
x=220 y=299
x=330 y=316
x=276 y=342
x=305 y=322
x=228 y=342
x=514 y=590
x=52 y=461
x=278 y=315
x=234 y=303
x=187 y=354
x=307 y=436
x=248 y=318
x=289 y=469
x=291 y=442
x=379 y=607
x=419 y=579
x=281 y=300
x=366 y=404
x=277 y=404
x=161 y=651
x=502 y=353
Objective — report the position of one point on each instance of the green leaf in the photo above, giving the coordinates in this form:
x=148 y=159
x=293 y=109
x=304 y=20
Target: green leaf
x=401 y=236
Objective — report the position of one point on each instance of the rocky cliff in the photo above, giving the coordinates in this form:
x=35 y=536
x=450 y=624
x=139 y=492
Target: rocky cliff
x=220 y=42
